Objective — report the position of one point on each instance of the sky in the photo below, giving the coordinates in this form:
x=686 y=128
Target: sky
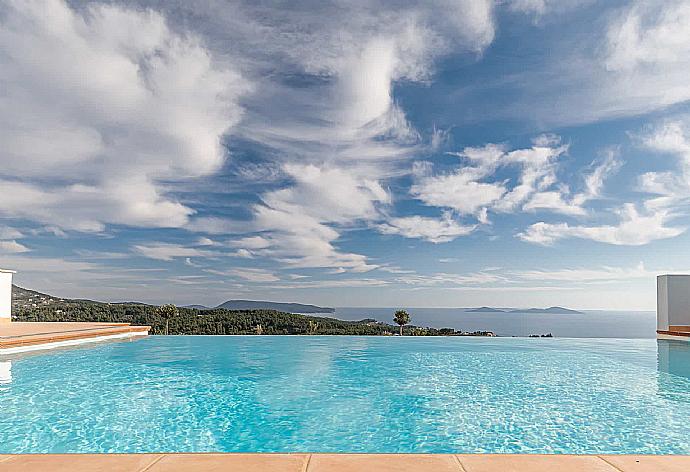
x=346 y=153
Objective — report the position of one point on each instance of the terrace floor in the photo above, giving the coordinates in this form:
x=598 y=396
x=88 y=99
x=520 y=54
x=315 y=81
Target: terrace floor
x=19 y=336
x=675 y=332
x=341 y=463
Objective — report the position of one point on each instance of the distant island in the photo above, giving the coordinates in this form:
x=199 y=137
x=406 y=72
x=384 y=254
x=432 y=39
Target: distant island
x=555 y=310
x=558 y=310
x=484 y=309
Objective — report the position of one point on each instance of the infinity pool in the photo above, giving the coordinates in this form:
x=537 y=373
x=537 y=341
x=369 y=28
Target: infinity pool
x=350 y=394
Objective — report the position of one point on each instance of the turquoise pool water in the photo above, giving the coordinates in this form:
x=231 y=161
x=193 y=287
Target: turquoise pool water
x=354 y=394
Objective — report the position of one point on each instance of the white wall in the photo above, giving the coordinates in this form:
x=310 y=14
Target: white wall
x=673 y=301
x=5 y=296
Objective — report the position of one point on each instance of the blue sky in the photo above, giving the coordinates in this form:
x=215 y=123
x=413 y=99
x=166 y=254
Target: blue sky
x=381 y=153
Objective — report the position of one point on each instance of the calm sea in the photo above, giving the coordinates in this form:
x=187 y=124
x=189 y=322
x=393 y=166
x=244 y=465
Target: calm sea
x=590 y=324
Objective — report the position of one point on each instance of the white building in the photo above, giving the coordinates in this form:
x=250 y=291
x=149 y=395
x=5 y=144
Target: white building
x=673 y=305
x=5 y=295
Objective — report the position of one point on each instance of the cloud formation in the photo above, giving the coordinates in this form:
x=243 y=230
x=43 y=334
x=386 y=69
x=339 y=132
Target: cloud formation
x=434 y=230
x=632 y=229
x=130 y=106
x=474 y=189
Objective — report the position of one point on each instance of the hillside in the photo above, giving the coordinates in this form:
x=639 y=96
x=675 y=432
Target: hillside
x=484 y=309
x=263 y=305
x=558 y=310
x=36 y=306
x=24 y=298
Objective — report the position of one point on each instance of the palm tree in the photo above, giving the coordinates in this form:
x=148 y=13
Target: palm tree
x=167 y=312
x=401 y=318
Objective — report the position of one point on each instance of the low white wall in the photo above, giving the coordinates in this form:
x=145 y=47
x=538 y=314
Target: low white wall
x=673 y=301
x=5 y=296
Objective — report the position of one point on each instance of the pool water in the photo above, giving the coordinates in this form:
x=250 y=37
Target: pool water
x=350 y=394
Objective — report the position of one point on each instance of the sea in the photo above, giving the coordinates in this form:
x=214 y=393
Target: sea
x=589 y=324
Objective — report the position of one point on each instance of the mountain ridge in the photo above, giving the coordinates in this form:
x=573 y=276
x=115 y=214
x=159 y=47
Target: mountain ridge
x=286 y=307
x=26 y=298
x=557 y=310
x=484 y=309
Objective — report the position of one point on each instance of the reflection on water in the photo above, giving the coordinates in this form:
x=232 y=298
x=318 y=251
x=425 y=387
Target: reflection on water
x=673 y=364
x=5 y=373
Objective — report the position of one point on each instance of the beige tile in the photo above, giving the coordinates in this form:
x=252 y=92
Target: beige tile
x=383 y=463
x=533 y=463
x=650 y=463
x=231 y=463
x=79 y=462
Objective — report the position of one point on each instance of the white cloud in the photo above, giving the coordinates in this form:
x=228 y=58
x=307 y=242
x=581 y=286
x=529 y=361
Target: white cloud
x=561 y=200
x=621 y=59
x=251 y=242
x=300 y=240
x=458 y=191
x=338 y=142
x=8 y=241
x=12 y=246
x=447 y=260
x=537 y=170
x=342 y=195
x=129 y=106
x=594 y=181
x=463 y=190
x=134 y=108
x=255 y=275
x=218 y=225
x=632 y=229
x=541 y=7
x=473 y=190
x=47 y=265
x=648 y=34
x=168 y=252
x=7 y=232
x=434 y=230
x=252 y=275
x=244 y=253
x=317 y=284
x=94 y=255
x=451 y=280
x=598 y=274
x=645 y=62
x=203 y=241
x=671 y=187
x=554 y=201
x=298 y=222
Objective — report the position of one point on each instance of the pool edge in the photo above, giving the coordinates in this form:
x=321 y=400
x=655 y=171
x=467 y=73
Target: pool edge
x=345 y=462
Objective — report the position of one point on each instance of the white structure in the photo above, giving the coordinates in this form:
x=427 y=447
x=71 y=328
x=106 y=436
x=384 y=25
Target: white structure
x=6 y=295
x=673 y=302
x=5 y=372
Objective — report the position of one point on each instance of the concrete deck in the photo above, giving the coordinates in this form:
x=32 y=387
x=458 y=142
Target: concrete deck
x=26 y=336
x=674 y=332
x=340 y=463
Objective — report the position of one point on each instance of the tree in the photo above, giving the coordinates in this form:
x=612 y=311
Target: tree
x=166 y=312
x=401 y=318
x=313 y=327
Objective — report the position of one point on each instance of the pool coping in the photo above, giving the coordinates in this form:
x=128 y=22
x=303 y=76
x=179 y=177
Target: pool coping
x=79 y=333
x=307 y=462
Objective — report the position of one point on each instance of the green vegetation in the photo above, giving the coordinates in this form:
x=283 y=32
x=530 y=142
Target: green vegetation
x=166 y=312
x=218 y=321
x=401 y=318
x=29 y=305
